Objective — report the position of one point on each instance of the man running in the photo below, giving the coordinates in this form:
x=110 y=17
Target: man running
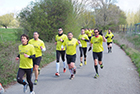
x=60 y=50
x=83 y=38
x=109 y=36
x=26 y=54
x=97 y=43
x=89 y=33
x=71 y=44
x=39 y=47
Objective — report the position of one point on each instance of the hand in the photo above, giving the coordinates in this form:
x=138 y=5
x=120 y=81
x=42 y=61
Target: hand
x=62 y=47
x=61 y=40
x=17 y=58
x=100 y=33
x=79 y=42
x=55 y=43
x=26 y=55
x=89 y=48
x=83 y=39
x=41 y=47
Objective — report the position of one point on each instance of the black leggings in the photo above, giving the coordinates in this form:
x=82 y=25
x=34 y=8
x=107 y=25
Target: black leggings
x=58 y=53
x=83 y=50
x=28 y=73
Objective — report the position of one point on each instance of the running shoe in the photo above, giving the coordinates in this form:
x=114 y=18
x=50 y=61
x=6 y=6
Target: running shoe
x=32 y=92
x=39 y=71
x=101 y=66
x=25 y=88
x=57 y=74
x=74 y=71
x=64 y=70
x=81 y=64
x=35 y=82
x=85 y=62
x=96 y=75
x=71 y=77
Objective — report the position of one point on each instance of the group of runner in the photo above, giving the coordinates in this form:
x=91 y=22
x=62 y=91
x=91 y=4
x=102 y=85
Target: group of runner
x=30 y=53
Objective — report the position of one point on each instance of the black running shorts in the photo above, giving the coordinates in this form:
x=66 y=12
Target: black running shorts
x=71 y=58
x=36 y=61
x=97 y=56
x=108 y=43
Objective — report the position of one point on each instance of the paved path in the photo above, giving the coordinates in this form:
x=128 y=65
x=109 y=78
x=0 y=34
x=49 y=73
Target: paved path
x=119 y=76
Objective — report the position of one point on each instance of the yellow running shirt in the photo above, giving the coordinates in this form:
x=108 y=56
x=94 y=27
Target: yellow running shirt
x=37 y=44
x=86 y=32
x=97 y=43
x=26 y=63
x=109 y=37
x=83 y=42
x=71 y=46
x=59 y=43
x=89 y=33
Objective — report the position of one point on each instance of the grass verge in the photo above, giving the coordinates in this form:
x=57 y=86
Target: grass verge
x=133 y=53
x=9 y=66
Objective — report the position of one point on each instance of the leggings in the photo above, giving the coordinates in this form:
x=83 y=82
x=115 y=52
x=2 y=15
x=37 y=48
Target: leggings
x=83 y=50
x=58 y=53
x=28 y=73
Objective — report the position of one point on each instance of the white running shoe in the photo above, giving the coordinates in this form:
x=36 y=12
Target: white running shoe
x=32 y=92
x=25 y=88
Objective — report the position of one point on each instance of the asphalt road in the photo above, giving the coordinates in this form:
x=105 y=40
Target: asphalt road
x=119 y=76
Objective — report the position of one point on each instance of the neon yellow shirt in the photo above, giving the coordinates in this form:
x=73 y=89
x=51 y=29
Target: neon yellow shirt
x=86 y=32
x=84 y=43
x=26 y=63
x=109 y=37
x=59 y=43
x=97 y=43
x=71 y=46
x=89 y=33
x=37 y=44
x=92 y=32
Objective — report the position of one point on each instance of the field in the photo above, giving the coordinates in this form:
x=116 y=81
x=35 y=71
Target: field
x=9 y=51
x=7 y=35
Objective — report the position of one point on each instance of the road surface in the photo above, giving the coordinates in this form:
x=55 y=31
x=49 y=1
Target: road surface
x=119 y=76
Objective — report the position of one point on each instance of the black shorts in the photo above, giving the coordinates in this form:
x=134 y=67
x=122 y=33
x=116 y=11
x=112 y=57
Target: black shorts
x=97 y=56
x=71 y=58
x=108 y=43
x=36 y=61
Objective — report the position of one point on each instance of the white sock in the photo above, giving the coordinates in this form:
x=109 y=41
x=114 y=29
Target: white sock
x=57 y=67
x=64 y=64
x=71 y=72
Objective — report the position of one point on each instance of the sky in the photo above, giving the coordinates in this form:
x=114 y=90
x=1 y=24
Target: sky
x=14 y=6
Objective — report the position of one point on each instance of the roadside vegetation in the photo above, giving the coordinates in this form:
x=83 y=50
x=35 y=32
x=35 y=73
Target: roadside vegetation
x=131 y=45
x=8 y=52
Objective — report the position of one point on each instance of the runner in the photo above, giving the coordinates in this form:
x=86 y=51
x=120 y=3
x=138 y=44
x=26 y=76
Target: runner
x=26 y=54
x=83 y=38
x=109 y=36
x=60 y=50
x=71 y=44
x=39 y=47
x=89 y=33
x=97 y=43
x=92 y=31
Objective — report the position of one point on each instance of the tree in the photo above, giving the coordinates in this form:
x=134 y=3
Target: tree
x=6 y=19
x=47 y=16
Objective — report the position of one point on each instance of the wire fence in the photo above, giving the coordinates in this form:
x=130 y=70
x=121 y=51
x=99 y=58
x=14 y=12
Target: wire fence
x=130 y=29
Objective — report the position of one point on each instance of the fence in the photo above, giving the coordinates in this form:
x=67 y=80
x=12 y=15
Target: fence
x=130 y=29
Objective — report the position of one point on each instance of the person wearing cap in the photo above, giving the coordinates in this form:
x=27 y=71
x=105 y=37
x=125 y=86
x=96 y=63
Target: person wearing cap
x=60 y=50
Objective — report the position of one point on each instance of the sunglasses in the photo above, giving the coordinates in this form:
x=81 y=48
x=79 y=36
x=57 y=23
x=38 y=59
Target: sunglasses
x=95 y=32
x=59 y=30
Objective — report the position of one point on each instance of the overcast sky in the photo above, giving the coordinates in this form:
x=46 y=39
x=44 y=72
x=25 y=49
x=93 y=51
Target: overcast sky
x=8 y=6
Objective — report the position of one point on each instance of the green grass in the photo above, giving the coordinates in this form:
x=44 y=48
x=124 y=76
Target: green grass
x=8 y=52
x=134 y=54
x=7 y=34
